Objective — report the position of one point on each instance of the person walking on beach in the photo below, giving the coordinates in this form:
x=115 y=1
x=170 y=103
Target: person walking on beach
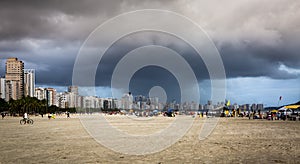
x=249 y=115
x=3 y=115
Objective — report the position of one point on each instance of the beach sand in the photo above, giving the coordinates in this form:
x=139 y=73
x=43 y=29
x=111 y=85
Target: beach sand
x=234 y=140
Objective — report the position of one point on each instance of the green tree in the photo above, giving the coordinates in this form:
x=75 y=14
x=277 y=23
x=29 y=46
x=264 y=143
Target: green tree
x=3 y=105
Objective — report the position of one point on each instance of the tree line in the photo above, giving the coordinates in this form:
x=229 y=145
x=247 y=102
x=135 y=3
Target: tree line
x=30 y=105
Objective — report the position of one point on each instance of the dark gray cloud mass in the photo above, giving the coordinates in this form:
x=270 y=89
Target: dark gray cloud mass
x=255 y=38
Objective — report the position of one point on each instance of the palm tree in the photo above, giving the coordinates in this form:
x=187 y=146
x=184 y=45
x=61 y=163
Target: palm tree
x=14 y=106
x=3 y=105
x=27 y=104
x=44 y=106
x=37 y=105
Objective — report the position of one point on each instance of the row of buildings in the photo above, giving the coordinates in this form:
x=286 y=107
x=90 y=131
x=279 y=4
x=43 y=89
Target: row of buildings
x=19 y=82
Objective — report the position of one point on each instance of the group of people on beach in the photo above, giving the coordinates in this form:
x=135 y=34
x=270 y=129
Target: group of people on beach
x=52 y=115
x=3 y=115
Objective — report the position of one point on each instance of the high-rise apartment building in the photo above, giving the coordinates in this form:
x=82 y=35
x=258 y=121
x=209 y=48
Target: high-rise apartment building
x=39 y=93
x=29 y=82
x=51 y=95
x=2 y=88
x=73 y=89
x=127 y=101
x=48 y=94
x=14 y=85
x=73 y=96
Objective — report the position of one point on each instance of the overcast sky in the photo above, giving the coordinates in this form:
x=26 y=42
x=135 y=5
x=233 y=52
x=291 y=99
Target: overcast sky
x=258 y=40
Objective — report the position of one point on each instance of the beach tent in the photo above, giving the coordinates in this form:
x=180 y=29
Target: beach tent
x=292 y=106
x=285 y=110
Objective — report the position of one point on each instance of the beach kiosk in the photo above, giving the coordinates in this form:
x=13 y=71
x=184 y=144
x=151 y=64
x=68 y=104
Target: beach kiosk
x=294 y=111
x=289 y=111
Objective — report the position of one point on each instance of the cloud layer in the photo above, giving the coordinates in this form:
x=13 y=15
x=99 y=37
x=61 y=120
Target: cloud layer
x=258 y=38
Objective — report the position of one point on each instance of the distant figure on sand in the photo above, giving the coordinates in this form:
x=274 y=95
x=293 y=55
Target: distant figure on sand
x=49 y=116
x=3 y=115
x=68 y=114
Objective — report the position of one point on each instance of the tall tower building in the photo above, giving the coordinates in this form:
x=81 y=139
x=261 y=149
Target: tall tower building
x=73 y=89
x=48 y=94
x=29 y=82
x=39 y=93
x=51 y=96
x=2 y=88
x=14 y=85
x=73 y=96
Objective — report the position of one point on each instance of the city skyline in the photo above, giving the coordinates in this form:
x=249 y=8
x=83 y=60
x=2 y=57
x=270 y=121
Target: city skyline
x=258 y=46
x=10 y=87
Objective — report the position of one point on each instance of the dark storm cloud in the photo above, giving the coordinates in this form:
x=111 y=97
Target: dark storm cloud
x=128 y=43
x=254 y=38
x=254 y=60
x=47 y=35
x=56 y=19
x=50 y=19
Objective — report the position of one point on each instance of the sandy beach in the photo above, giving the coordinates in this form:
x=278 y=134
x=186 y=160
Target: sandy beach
x=234 y=140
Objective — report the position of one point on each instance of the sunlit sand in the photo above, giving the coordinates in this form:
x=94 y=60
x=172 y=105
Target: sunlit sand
x=234 y=140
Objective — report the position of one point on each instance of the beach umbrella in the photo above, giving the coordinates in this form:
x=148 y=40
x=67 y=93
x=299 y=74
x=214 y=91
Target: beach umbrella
x=274 y=111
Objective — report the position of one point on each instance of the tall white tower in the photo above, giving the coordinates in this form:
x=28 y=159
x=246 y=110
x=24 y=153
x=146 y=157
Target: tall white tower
x=29 y=82
x=2 y=88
